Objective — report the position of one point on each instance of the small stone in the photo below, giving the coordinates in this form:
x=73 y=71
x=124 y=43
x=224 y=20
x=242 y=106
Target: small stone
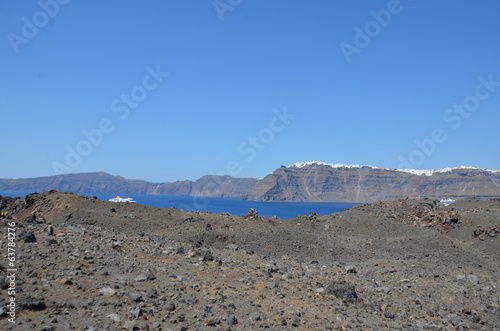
x=388 y=315
x=65 y=281
x=342 y=290
x=50 y=230
x=475 y=319
x=76 y=229
x=207 y=311
x=454 y=319
x=272 y=267
x=141 y=278
x=295 y=322
x=47 y=328
x=108 y=291
x=473 y=279
x=33 y=304
x=273 y=285
x=145 y=277
x=384 y=289
x=232 y=247
x=470 y=278
x=152 y=293
x=213 y=322
x=134 y=295
x=255 y=317
x=170 y=306
x=3 y=311
x=207 y=256
x=27 y=237
x=135 y=312
x=350 y=269
x=232 y=320
x=130 y=325
x=114 y=317
x=466 y=310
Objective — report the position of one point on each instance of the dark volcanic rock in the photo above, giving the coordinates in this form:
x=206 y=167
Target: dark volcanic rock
x=29 y=303
x=145 y=277
x=27 y=237
x=134 y=295
x=342 y=290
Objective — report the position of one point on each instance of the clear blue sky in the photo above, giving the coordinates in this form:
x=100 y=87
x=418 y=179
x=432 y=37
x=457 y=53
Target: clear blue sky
x=251 y=85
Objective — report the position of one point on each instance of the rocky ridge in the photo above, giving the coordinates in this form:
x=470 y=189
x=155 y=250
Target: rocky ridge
x=101 y=182
x=323 y=182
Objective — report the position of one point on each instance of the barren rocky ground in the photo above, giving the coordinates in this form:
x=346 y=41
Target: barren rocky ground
x=85 y=264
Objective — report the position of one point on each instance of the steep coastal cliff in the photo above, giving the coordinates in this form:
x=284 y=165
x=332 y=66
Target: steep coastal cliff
x=323 y=182
x=101 y=182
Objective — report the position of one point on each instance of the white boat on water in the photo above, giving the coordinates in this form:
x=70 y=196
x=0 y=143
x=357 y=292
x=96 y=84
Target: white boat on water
x=447 y=202
x=120 y=199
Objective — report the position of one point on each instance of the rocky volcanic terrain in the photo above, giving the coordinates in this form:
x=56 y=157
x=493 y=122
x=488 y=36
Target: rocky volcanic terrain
x=85 y=264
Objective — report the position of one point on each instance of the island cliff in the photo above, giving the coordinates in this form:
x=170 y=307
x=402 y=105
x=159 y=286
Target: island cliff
x=301 y=182
x=101 y=182
x=322 y=182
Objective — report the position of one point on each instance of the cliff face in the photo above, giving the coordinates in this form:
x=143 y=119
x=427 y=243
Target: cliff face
x=320 y=182
x=307 y=182
x=100 y=182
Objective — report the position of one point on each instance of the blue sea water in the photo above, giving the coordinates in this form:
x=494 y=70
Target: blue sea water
x=233 y=206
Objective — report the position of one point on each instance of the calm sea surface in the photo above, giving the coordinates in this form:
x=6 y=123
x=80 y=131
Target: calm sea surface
x=234 y=206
